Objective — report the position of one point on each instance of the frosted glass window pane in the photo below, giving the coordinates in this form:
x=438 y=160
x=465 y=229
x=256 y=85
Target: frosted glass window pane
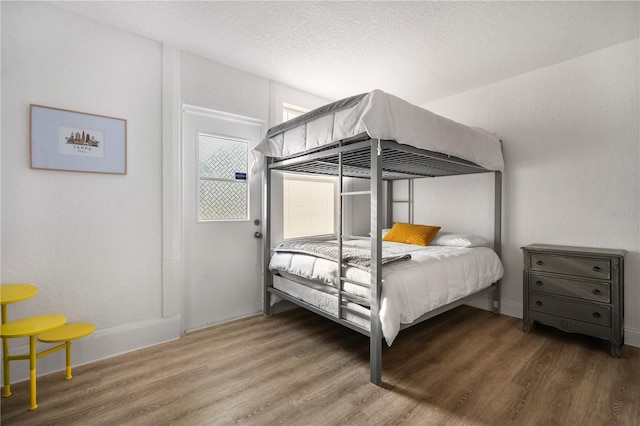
x=222 y=158
x=223 y=179
x=222 y=200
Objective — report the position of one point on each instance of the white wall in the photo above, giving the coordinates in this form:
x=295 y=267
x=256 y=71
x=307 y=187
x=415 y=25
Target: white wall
x=570 y=137
x=90 y=242
x=211 y=85
x=93 y=243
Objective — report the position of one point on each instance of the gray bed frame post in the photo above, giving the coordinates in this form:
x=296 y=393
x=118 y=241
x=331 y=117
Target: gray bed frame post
x=497 y=234
x=266 y=232
x=340 y=229
x=375 y=336
x=389 y=209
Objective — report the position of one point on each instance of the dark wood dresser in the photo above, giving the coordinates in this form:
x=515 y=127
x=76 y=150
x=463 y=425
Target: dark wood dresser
x=575 y=289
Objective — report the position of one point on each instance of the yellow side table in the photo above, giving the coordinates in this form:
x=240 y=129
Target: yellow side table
x=66 y=334
x=30 y=327
x=12 y=293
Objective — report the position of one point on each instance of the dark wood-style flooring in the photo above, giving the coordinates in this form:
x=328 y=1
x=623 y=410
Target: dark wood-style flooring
x=466 y=366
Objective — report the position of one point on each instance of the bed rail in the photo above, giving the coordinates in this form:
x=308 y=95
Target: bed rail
x=398 y=161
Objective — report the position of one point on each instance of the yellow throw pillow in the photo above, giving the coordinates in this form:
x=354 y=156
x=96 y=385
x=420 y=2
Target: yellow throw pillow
x=411 y=234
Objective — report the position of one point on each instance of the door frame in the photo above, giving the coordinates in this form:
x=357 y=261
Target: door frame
x=172 y=186
x=254 y=193
x=172 y=232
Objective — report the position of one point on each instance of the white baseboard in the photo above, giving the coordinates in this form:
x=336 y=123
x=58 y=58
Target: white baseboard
x=511 y=309
x=99 y=345
x=632 y=337
x=507 y=307
x=215 y=323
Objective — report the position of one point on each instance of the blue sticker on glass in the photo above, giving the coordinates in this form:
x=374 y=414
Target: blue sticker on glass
x=241 y=176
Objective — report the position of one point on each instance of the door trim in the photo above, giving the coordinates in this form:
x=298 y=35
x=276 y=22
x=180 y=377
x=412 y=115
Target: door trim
x=187 y=114
x=172 y=251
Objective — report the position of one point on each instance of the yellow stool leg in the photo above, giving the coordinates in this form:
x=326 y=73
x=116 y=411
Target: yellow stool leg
x=5 y=368
x=32 y=372
x=5 y=359
x=68 y=349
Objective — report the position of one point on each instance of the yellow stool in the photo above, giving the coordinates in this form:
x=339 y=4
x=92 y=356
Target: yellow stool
x=29 y=327
x=66 y=334
x=11 y=293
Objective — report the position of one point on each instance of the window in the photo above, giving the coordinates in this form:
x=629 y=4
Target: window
x=308 y=205
x=308 y=201
x=223 y=190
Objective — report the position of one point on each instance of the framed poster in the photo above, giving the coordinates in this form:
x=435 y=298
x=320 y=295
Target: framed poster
x=79 y=142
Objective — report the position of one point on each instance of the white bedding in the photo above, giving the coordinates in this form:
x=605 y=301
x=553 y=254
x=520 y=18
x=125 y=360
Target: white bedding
x=385 y=116
x=318 y=297
x=433 y=277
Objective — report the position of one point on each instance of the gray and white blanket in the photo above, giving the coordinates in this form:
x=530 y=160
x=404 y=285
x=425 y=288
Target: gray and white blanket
x=352 y=255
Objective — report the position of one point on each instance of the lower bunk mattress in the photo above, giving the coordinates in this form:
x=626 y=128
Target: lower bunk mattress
x=427 y=278
x=319 y=296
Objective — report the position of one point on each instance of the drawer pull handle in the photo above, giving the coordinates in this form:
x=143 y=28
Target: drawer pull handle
x=596 y=269
x=538 y=282
x=539 y=262
x=596 y=314
x=596 y=292
x=539 y=303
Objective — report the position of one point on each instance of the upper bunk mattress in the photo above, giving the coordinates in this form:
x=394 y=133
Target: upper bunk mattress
x=382 y=116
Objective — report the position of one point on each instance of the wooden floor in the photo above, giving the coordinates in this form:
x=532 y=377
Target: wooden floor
x=467 y=366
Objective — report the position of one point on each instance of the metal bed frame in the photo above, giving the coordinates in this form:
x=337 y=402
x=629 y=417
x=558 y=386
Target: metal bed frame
x=378 y=160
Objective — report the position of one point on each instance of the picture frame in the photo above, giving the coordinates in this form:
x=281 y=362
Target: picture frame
x=74 y=141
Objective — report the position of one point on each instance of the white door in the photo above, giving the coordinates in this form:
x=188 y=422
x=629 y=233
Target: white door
x=222 y=254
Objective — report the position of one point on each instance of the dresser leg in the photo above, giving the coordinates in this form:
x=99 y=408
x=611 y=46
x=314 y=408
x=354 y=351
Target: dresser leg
x=525 y=326
x=615 y=350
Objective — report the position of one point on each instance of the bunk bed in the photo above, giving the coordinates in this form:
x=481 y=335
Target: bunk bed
x=382 y=138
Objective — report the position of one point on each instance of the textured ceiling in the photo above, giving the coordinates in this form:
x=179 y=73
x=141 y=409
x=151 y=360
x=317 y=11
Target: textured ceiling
x=418 y=50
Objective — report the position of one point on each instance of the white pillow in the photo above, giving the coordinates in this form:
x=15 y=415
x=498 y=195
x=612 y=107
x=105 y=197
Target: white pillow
x=458 y=240
x=384 y=232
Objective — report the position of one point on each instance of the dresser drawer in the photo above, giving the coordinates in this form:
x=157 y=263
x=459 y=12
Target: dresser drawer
x=594 y=314
x=573 y=326
x=568 y=265
x=598 y=291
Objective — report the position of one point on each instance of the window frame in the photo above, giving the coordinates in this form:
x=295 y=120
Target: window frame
x=199 y=178
x=294 y=110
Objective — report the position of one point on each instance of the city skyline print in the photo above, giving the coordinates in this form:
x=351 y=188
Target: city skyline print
x=81 y=142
